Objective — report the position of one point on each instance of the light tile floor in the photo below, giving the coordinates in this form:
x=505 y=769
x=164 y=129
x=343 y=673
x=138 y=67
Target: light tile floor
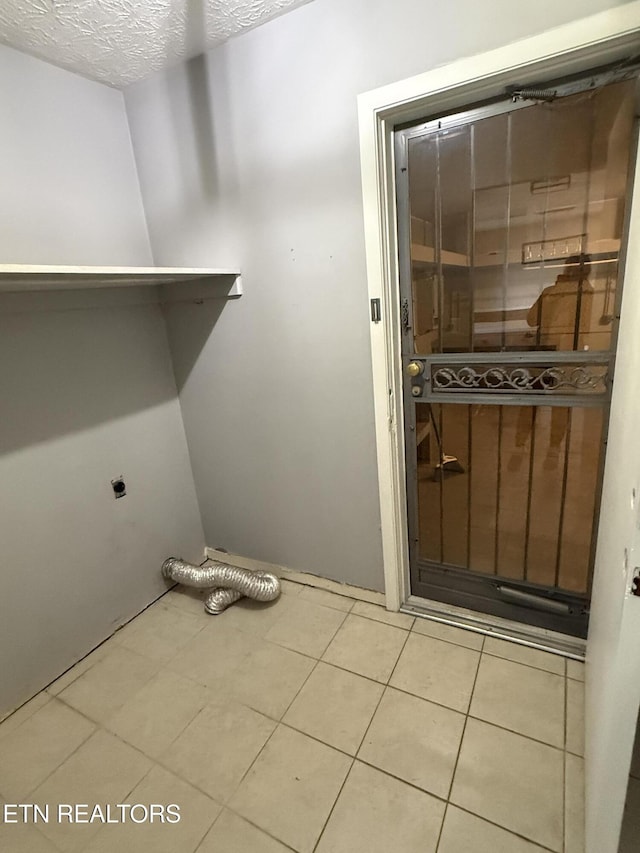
x=315 y=723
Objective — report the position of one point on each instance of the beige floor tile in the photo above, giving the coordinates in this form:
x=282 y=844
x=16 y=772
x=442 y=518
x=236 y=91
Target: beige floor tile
x=214 y=654
x=335 y=706
x=512 y=781
x=366 y=647
x=378 y=814
x=466 y=833
x=103 y=770
x=526 y=700
x=186 y=599
x=290 y=587
x=435 y=670
x=631 y=820
x=414 y=740
x=256 y=617
x=441 y=631
x=326 y=598
x=18 y=717
x=107 y=685
x=575 y=717
x=154 y=716
x=24 y=838
x=232 y=834
x=575 y=669
x=68 y=677
x=269 y=678
x=574 y=804
x=381 y=614
x=525 y=655
x=38 y=746
x=197 y=813
x=306 y=628
x=160 y=631
x=218 y=747
x=291 y=788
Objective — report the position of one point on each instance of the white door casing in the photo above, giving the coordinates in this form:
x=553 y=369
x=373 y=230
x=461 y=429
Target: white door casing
x=613 y=659
x=613 y=672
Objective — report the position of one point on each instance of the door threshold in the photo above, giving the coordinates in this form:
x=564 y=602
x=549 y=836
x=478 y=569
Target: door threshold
x=495 y=626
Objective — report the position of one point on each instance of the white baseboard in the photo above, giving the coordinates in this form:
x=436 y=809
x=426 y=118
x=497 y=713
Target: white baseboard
x=294 y=576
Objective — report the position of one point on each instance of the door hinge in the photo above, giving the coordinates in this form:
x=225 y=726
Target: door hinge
x=376 y=311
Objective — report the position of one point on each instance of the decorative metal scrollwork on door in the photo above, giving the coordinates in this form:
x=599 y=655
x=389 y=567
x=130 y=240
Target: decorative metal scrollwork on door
x=554 y=378
x=580 y=378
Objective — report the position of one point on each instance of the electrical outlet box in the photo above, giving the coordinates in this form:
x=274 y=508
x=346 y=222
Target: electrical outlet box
x=119 y=487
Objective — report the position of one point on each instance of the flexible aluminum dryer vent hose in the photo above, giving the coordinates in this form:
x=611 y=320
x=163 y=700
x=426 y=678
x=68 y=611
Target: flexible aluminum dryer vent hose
x=227 y=583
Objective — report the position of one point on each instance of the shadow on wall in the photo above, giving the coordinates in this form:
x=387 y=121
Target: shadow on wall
x=66 y=371
x=182 y=131
x=189 y=326
x=190 y=103
x=199 y=95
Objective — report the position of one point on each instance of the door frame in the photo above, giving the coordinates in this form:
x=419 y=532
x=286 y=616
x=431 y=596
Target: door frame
x=572 y=48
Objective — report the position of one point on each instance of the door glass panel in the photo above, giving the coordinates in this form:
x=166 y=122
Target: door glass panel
x=516 y=223
x=509 y=490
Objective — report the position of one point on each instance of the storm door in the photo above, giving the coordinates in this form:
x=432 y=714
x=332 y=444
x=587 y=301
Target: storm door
x=511 y=221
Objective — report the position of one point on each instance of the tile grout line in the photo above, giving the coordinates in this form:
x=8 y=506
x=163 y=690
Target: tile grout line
x=334 y=804
x=528 y=665
x=158 y=760
x=262 y=748
x=444 y=817
x=406 y=782
x=73 y=751
x=385 y=686
x=493 y=654
x=216 y=819
x=464 y=727
x=71 y=754
x=466 y=810
x=333 y=636
x=162 y=767
x=354 y=757
x=277 y=723
x=251 y=823
x=299 y=691
x=201 y=708
x=514 y=732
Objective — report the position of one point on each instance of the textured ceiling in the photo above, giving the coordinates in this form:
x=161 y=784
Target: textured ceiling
x=121 y=41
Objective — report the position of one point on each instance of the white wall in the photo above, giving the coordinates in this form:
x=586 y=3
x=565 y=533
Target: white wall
x=250 y=155
x=69 y=191
x=87 y=388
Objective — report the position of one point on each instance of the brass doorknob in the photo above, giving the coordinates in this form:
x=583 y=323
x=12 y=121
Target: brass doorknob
x=414 y=368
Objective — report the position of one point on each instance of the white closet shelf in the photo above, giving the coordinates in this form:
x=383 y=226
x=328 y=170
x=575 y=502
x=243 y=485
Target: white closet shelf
x=17 y=278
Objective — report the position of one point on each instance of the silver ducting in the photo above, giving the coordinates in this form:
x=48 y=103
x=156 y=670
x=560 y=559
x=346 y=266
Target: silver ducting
x=219 y=599
x=227 y=583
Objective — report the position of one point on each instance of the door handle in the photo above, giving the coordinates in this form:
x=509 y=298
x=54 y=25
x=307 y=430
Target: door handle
x=414 y=368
